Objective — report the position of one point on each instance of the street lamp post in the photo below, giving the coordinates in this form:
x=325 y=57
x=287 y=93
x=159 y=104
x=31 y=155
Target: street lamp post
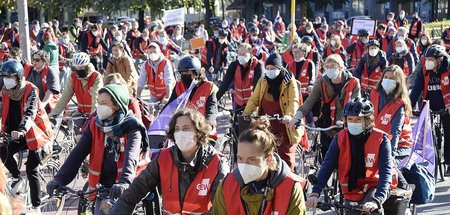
x=24 y=32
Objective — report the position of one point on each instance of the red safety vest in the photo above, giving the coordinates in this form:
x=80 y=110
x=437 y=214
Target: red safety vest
x=63 y=51
x=91 y=50
x=445 y=86
x=243 y=89
x=408 y=42
x=55 y=98
x=303 y=77
x=197 y=198
x=155 y=80
x=287 y=57
x=204 y=55
x=384 y=121
x=279 y=204
x=370 y=81
x=405 y=65
x=198 y=101
x=351 y=84
x=358 y=53
x=384 y=44
x=136 y=53
x=83 y=95
x=447 y=44
x=371 y=155
x=414 y=29
x=321 y=34
x=338 y=51
x=40 y=132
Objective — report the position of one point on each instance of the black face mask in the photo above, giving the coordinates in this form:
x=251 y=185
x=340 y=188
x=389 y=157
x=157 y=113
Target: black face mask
x=81 y=73
x=187 y=80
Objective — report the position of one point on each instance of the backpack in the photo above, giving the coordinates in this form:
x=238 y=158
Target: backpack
x=147 y=116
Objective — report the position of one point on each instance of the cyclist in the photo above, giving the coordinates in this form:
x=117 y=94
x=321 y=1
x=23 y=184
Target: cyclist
x=262 y=179
x=357 y=49
x=204 y=94
x=122 y=64
x=114 y=139
x=392 y=109
x=335 y=79
x=192 y=170
x=312 y=53
x=277 y=93
x=334 y=46
x=92 y=43
x=433 y=82
x=243 y=73
x=217 y=52
x=362 y=155
x=371 y=66
x=402 y=34
x=24 y=118
x=157 y=72
x=84 y=82
x=403 y=58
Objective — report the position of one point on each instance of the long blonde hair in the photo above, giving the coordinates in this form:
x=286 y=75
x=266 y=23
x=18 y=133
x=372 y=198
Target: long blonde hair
x=401 y=91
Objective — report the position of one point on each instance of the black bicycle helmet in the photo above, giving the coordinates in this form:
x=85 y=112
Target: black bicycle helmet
x=358 y=107
x=307 y=39
x=12 y=68
x=223 y=33
x=254 y=30
x=363 y=33
x=435 y=51
x=189 y=63
x=373 y=43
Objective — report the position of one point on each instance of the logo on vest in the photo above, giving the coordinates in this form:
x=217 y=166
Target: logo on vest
x=370 y=160
x=445 y=81
x=161 y=76
x=203 y=187
x=385 y=119
x=201 y=102
x=303 y=72
x=250 y=75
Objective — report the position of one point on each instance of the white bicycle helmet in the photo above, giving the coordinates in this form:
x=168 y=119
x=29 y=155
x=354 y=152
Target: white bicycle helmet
x=80 y=59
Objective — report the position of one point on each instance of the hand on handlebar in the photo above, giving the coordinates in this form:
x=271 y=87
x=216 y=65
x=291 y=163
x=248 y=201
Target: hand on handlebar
x=370 y=206
x=286 y=119
x=312 y=201
x=53 y=186
x=293 y=123
x=15 y=135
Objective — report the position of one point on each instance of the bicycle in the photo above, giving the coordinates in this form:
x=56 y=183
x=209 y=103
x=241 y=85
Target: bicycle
x=228 y=146
x=438 y=140
x=84 y=204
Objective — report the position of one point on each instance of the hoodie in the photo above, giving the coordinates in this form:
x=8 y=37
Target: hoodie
x=149 y=179
x=253 y=198
x=52 y=49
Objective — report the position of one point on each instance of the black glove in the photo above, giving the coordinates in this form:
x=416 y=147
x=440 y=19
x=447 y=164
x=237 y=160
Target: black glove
x=52 y=186
x=117 y=190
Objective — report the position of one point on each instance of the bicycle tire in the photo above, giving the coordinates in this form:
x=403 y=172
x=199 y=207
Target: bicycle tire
x=300 y=167
x=46 y=173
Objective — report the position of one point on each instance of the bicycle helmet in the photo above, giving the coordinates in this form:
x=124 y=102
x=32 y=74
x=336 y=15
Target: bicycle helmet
x=189 y=63
x=307 y=39
x=373 y=43
x=80 y=59
x=254 y=30
x=12 y=68
x=363 y=33
x=358 y=107
x=435 y=51
x=223 y=33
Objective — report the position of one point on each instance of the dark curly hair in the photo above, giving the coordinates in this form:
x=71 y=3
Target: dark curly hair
x=201 y=127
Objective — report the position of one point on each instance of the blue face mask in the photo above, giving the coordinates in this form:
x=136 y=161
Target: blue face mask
x=332 y=73
x=355 y=128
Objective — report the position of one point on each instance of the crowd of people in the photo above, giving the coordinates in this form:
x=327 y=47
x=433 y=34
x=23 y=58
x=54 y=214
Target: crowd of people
x=318 y=75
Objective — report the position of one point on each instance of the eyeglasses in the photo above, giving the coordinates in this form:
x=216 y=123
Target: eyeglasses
x=333 y=66
x=36 y=59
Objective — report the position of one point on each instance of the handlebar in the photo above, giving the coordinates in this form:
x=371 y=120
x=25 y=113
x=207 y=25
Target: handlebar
x=441 y=112
x=339 y=124
x=328 y=206
x=65 y=190
x=6 y=139
x=275 y=117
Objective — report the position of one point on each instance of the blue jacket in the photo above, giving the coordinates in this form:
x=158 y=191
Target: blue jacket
x=363 y=62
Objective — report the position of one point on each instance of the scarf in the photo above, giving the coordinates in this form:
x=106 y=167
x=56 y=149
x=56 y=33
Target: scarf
x=274 y=86
x=113 y=130
x=358 y=166
x=15 y=94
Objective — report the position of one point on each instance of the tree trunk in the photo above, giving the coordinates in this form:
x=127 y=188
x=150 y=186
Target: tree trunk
x=448 y=9
x=141 y=19
x=208 y=12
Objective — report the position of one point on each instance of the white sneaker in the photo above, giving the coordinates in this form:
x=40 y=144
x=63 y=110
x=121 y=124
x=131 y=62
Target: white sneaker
x=34 y=211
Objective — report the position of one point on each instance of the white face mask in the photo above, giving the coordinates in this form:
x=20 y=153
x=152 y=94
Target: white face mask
x=117 y=55
x=365 y=41
x=95 y=33
x=429 y=65
x=332 y=73
x=9 y=83
x=250 y=172
x=243 y=59
x=163 y=41
x=254 y=38
x=355 y=128
x=66 y=41
x=373 y=52
x=401 y=16
x=118 y=38
x=388 y=85
x=224 y=25
x=104 y=112
x=221 y=41
x=308 y=49
x=424 y=41
x=400 y=37
x=399 y=49
x=333 y=42
x=299 y=59
x=185 y=140
x=272 y=74
x=154 y=56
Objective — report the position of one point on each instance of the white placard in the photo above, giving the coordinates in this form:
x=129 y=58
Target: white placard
x=369 y=24
x=174 y=17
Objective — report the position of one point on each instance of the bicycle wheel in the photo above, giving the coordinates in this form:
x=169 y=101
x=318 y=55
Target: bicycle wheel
x=300 y=167
x=227 y=151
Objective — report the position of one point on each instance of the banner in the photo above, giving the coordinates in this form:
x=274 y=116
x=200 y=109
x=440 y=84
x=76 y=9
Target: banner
x=161 y=123
x=369 y=24
x=197 y=43
x=174 y=17
x=423 y=148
